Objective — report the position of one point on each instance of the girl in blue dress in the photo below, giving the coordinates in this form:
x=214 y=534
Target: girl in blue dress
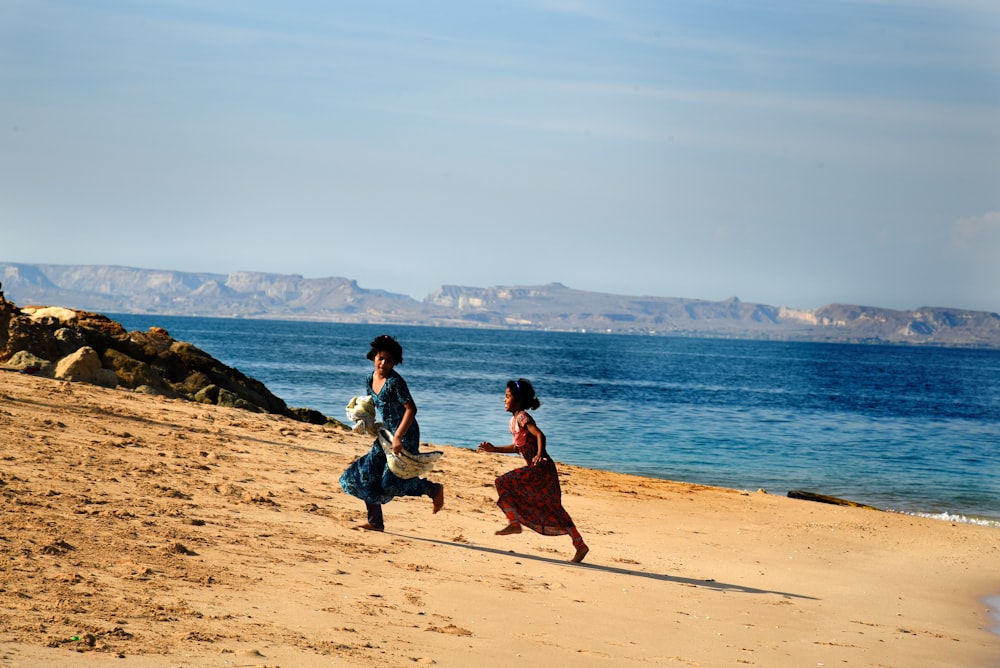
x=369 y=477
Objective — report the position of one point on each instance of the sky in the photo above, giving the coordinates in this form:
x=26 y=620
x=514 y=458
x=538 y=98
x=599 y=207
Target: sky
x=783 y=152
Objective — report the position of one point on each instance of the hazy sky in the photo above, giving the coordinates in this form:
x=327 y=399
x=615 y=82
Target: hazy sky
x=785 y=152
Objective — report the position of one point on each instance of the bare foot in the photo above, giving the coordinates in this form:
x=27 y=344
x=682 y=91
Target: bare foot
x=581 y=552
x=438 y=498
x=509 y=529
x=368 y=526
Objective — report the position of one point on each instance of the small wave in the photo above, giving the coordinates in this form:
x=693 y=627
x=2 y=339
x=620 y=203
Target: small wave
x=949 y=517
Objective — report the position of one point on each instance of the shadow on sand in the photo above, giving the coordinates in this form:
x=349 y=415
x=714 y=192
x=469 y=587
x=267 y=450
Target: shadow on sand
x=705 y=584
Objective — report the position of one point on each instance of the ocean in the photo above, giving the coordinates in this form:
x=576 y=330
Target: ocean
x=903 y=428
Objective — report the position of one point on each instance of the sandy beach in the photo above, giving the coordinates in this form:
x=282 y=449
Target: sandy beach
x=143 y=531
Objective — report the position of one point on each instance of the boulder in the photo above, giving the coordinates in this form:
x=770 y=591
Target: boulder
x=149 y=345
x=79 y=366
x=207 y=395
x=193 y=384
x=309 y=415
x=106 y=378
x=49 y=314
x=171 y=367
x=228 y=378
x=233 y=400
x=132 y=373
x=68 y=340
x=22 y=334
x=29 y=363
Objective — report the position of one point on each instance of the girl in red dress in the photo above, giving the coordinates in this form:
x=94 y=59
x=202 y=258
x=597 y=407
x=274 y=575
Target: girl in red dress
x=530 y=496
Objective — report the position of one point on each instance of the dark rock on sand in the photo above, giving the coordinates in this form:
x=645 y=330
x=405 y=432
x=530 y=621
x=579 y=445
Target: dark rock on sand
x=89 y=347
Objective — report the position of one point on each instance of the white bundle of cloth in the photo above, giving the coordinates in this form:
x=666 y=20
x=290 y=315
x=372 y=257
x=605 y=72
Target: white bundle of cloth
x=406 y=465
x=361 y=411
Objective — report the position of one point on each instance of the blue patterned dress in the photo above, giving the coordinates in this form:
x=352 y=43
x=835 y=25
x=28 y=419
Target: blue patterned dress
x=369 y=477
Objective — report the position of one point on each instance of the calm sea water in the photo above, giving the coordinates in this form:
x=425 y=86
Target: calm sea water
x=911 y=429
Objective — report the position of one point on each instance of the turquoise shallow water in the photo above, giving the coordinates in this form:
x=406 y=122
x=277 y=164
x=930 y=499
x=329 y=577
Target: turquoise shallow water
x=902 y=428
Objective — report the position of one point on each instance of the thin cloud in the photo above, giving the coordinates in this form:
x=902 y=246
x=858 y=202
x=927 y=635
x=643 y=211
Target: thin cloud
x=980 y=233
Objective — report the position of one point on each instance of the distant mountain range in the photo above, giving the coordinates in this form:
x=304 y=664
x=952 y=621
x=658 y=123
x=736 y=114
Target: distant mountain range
x=112 y=289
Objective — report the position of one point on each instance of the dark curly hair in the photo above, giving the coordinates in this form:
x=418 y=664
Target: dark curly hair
x=387 y=344
x=524 y=392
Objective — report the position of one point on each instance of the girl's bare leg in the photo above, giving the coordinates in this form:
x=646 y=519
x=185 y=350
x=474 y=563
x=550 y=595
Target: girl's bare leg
x=581 y=547
x=437 y=496
x=513 y=525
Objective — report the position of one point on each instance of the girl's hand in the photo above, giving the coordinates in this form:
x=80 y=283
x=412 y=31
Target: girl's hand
x=397 y=445
x=537 y=458
x=486 y=446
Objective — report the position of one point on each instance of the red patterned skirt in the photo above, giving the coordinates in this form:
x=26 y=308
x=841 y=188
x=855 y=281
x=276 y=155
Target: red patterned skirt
x=532 y=495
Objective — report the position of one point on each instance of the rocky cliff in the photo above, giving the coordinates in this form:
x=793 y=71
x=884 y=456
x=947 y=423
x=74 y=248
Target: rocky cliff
x=556 y=307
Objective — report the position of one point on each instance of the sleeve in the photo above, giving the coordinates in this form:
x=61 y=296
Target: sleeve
x=523 y=420
x=518 y=423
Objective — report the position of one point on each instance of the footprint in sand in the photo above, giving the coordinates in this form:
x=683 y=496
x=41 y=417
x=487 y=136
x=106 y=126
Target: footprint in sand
x=450 y=629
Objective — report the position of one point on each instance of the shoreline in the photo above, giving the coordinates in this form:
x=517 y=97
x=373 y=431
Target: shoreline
x=163 y=533
x=982 y=521
x=991 y=521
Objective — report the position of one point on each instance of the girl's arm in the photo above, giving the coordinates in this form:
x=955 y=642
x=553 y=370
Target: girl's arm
x=486 y=446
x=409 y=415
x=540 y=436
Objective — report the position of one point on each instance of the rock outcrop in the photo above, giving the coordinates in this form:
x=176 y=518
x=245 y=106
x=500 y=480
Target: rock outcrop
x=89 y=347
